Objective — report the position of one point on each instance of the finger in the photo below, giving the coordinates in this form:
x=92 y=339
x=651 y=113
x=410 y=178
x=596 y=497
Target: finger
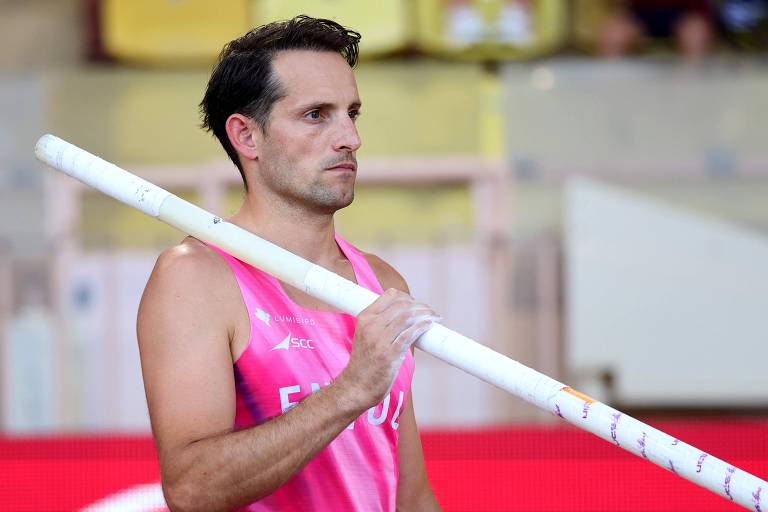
x=424 y=309
x=382 y=324
x=409 y=336
x=396 y=311
x=384 y=301
x=409 y=314
x=405 y=322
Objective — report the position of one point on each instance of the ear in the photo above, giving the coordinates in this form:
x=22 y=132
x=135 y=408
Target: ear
x=244 y=135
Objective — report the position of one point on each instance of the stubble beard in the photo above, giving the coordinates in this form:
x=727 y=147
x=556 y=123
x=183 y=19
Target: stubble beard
x=317 y=196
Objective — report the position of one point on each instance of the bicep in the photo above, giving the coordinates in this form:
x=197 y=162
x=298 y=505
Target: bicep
x=185 y=360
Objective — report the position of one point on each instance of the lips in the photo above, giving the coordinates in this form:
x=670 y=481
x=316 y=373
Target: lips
x=343 y=166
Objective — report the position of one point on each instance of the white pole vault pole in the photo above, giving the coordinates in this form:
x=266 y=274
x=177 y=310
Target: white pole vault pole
x=624 y=431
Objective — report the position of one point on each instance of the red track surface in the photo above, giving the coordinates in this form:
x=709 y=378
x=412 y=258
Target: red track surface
x=521 y=468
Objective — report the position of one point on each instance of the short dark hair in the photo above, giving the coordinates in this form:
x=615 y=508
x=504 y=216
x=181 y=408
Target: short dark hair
x=243 y=82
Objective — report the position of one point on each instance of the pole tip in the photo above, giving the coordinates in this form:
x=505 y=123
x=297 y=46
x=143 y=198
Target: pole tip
x=45 y=147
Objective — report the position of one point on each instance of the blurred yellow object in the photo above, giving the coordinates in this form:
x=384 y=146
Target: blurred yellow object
x=429 y=109
x=385 y=26
x=142 y=106
x=162 y=32
x=491 y=29
x=589 y=18
x=133 y=116
x=385 y=214
x=106 y=224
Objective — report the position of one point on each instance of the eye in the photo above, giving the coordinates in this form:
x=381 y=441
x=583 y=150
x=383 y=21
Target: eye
x=354 y=114
x=313 y=114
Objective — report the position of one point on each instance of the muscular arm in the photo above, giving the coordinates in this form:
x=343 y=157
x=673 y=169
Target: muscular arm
x=186 y=323
x=413 y=490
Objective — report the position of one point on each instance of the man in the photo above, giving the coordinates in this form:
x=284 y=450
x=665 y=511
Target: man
x=260 y=396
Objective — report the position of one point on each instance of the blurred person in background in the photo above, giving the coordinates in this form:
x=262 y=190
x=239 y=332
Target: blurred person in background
x=744 y=23
x=259 y=395
x=634 y=24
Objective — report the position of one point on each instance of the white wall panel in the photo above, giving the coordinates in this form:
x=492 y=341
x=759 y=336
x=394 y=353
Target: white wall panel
x=674 y=304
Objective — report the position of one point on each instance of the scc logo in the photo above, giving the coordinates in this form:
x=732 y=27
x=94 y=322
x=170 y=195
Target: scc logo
x=293 y=342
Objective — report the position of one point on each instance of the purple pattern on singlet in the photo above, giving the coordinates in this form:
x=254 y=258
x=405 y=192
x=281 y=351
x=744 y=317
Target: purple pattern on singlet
x=243 y=394
x=293 y=351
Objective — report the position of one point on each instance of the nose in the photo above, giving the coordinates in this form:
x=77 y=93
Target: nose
x=347 y=138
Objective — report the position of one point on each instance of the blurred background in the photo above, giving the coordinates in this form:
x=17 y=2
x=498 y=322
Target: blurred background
x=581 y=185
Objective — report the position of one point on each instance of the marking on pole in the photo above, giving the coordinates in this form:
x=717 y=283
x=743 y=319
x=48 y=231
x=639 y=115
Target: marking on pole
x=700 y=463
x=727 y=484
x=641 y=445
x=578 y=395
x=614 y=425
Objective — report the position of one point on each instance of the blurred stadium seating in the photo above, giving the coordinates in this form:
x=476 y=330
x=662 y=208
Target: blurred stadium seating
x=491 y=30
x=168 y=33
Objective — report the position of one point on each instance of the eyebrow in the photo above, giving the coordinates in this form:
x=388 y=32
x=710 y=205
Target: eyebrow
x=320 y=105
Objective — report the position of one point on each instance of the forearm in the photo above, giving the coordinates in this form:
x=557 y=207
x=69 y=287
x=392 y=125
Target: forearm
x=417 y=496
x=423 y=502
x=233 y=469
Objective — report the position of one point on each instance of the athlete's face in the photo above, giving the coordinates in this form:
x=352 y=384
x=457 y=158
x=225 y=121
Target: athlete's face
x=307 y=155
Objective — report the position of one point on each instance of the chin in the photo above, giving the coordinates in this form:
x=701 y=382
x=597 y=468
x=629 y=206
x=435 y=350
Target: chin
x=341 y=203
x=347 y=199
x=331 y=199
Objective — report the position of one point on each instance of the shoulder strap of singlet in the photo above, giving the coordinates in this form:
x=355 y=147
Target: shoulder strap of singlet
x=363 y=271
x=364 y=274
x=238 y=267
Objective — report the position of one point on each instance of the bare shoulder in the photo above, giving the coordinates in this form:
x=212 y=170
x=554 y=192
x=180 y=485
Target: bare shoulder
x=191 y=275
x=190 y=256
x=386 y=273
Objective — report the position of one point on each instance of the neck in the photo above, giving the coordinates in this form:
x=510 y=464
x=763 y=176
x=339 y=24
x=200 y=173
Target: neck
x=304 y=233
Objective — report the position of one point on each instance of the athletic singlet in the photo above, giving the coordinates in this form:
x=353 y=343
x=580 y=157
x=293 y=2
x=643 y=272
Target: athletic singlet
x=292 y=352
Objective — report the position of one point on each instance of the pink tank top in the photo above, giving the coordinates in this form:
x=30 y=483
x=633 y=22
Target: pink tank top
x=293 y=352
